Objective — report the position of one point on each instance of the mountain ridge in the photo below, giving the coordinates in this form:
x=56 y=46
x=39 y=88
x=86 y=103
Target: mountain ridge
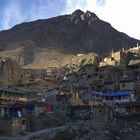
x=79 y=32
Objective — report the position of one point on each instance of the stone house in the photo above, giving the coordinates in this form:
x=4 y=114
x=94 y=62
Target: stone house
x=88 y=69
x=134 y=49
x=134 y=65
x=40 y=108
x=14 y=111
x=109 y=85
x=108 y=61
x=131 y=85
x=50 y=96
x=113 y=97
x=13 y=126
x=10 y=97
x=107 y=78
x=71 y=80
x=50 y=74
x=118 y=97
x=70 y=97
x=115 y=59
x=127 y=85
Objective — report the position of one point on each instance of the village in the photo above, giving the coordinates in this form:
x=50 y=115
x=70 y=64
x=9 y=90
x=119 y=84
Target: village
x=49 y=98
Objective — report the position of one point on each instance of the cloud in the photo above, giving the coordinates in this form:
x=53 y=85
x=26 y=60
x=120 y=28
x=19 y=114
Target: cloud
x=123 y=15
x=84 y=5
x=101 y=2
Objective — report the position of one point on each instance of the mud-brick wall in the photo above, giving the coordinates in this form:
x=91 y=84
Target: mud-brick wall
x=11 y=126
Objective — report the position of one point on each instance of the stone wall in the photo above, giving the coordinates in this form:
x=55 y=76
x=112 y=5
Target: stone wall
x=12 y=126
x=45 y=121
x=100 y=117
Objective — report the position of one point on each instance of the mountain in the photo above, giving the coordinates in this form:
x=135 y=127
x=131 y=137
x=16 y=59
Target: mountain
x=54 y=41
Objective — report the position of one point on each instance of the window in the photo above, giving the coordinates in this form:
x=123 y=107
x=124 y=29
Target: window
x=89 y=76
x=96 y=69
x=23 y=122
x=123 y=85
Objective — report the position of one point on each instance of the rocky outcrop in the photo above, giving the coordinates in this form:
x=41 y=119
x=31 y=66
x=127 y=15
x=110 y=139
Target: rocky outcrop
x=82 y=60
x=10 y=72
x=79 y=16
x=53 y=58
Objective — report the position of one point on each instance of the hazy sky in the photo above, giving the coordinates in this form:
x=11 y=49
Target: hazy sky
x=122 y=14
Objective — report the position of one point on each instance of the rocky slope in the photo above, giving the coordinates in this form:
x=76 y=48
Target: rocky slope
x=52 y=42
x=49 y=57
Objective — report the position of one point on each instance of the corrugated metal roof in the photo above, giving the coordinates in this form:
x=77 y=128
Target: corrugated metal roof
x=11 y=90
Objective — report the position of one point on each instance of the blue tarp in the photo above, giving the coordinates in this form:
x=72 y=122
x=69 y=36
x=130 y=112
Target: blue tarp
x=121 y=93
x=111 y=94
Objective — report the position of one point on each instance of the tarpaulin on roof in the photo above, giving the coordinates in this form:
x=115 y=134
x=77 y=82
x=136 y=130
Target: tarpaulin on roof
x=111 y=94
x=120 y=93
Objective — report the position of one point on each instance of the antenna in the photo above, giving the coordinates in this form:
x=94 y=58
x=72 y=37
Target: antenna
x=112 y=50
x=122 y=49
x=112 y=53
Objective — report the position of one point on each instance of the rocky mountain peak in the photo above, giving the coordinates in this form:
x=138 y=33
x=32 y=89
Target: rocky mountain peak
x=90 y=15
x=76 y=16
x=79 y=16
x=77 y=12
